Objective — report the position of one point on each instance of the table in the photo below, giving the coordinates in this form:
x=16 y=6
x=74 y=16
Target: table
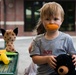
x=11 y=68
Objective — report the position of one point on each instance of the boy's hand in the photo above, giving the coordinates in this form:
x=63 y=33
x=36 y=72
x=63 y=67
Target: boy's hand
x=51 y=61
x=74 y=59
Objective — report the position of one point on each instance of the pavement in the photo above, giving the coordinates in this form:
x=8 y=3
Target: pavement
x=21 y=45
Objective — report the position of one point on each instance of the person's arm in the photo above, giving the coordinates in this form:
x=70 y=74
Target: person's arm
x=45 y=59
x=30 y=47
x=74 y=59
x=72 y=50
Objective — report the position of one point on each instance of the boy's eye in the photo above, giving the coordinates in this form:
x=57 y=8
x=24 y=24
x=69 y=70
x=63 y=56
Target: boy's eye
x=47 y=19
x=55 y=18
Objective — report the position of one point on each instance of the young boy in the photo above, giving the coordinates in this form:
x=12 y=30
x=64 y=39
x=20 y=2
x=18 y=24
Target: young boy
x=47 y=46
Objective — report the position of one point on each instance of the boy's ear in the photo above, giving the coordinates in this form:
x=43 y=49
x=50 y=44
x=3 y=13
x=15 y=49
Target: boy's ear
x=3 y=31
x=15 y=31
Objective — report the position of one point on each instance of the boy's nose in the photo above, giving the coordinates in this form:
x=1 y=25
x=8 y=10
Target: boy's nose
x=51 y=21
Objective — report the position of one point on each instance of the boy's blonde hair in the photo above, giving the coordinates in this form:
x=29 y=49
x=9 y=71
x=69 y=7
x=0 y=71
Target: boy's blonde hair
x=51 y=9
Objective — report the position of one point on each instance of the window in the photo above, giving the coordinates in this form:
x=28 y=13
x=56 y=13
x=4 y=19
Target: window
x=31 y=14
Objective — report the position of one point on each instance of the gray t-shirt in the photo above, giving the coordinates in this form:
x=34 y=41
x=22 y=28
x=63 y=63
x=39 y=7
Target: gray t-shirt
x=60 y=45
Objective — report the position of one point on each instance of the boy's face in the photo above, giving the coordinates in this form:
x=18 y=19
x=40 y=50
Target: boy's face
x=52 y=20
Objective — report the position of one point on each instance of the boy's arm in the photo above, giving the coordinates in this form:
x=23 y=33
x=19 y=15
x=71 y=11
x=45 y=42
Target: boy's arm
x=45 y=59
x=39 y=59
x=74 y=59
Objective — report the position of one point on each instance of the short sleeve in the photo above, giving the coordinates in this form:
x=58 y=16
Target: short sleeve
x=71 y=49
x=35 y=48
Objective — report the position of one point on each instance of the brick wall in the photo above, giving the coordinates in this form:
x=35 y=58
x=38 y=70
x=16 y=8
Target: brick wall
x=14 y=15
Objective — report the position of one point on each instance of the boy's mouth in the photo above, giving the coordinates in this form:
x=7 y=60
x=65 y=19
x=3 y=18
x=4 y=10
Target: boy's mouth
x=52 y=27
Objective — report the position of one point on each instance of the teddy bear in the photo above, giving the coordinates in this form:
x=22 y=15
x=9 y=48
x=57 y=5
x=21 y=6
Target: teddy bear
x=9 y=38
x=65 y=66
